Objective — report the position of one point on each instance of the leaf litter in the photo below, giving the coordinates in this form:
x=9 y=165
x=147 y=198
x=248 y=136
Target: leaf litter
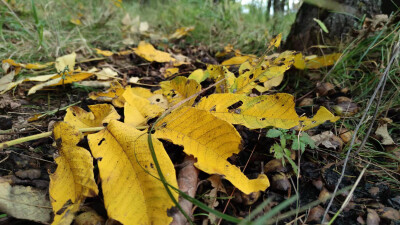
x=217 y=129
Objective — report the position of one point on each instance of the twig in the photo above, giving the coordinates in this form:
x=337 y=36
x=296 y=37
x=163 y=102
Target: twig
x=42 y=135
x=380 y=84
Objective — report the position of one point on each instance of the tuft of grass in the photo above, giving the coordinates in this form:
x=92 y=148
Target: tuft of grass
x=360 y=70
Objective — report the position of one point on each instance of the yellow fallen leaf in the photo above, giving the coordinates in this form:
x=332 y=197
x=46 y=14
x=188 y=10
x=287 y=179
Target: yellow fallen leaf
x=76 y=21
x=73 y=180
x=227 y=85
x=236 y=60
x=70 y=77
x=66 y=61
x=249 y=75
x=106 y=74
x=315 y=62
x=139 y=109
x=321 y=61
x=170 y=71
x=179 y=89
x=33 y=66
x=125 y=52
x=211 y=141
x=276 y=41
x=99 y=115
x=148 y=52
x=215 y=71
x=262 y=111
x=131 y=194
x=199 y=75
x=273 y=82
x=104 y=52
x=113 y=94
x=320 y=117
x=180 y=32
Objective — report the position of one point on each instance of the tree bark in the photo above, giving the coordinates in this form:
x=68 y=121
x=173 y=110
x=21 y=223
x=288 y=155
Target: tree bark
x=306 y=32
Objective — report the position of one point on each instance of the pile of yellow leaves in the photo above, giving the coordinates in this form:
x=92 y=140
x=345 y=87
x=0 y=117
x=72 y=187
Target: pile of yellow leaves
x=130 y=182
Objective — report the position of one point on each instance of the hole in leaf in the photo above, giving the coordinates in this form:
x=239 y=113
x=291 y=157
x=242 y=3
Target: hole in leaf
x=158 y=100
x=101 y=141
x=235 y=105
x=251 y=76
x=152 y=165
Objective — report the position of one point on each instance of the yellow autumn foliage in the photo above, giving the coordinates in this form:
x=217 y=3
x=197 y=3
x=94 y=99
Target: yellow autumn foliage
x=113 y=94
x=211 y=141
x=99 y=115
x=148 y=52
x=179 y=89
x=139 y=109
x=33 y=66
x=73 y=180
x=132 y=194
x=276 y=110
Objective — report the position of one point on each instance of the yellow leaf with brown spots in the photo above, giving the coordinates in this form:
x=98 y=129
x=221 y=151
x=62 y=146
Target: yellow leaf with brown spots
x=179 y=89
x=99 y=115
x=262 y=111
x=73 y=179
x=139 y=109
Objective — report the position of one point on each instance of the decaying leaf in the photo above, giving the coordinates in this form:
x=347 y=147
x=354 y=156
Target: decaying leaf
x=179 y=89
x=328 y=139
x=131 y=194
x=100 y=114
x=106 y=74
x=382 y=131
x=73 y=180
x=262 y=111
x=211 y=141
x=148 y=52
x=139 y=109
x=25 y=203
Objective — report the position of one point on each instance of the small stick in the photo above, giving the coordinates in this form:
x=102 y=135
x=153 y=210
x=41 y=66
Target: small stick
x=42 y=135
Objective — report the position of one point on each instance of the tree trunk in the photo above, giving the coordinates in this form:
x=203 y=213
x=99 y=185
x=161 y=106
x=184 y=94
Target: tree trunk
x=268 y=11
x=306 y=32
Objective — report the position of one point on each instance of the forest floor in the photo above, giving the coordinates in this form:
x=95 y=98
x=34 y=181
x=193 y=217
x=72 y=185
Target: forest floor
x=302 y=179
